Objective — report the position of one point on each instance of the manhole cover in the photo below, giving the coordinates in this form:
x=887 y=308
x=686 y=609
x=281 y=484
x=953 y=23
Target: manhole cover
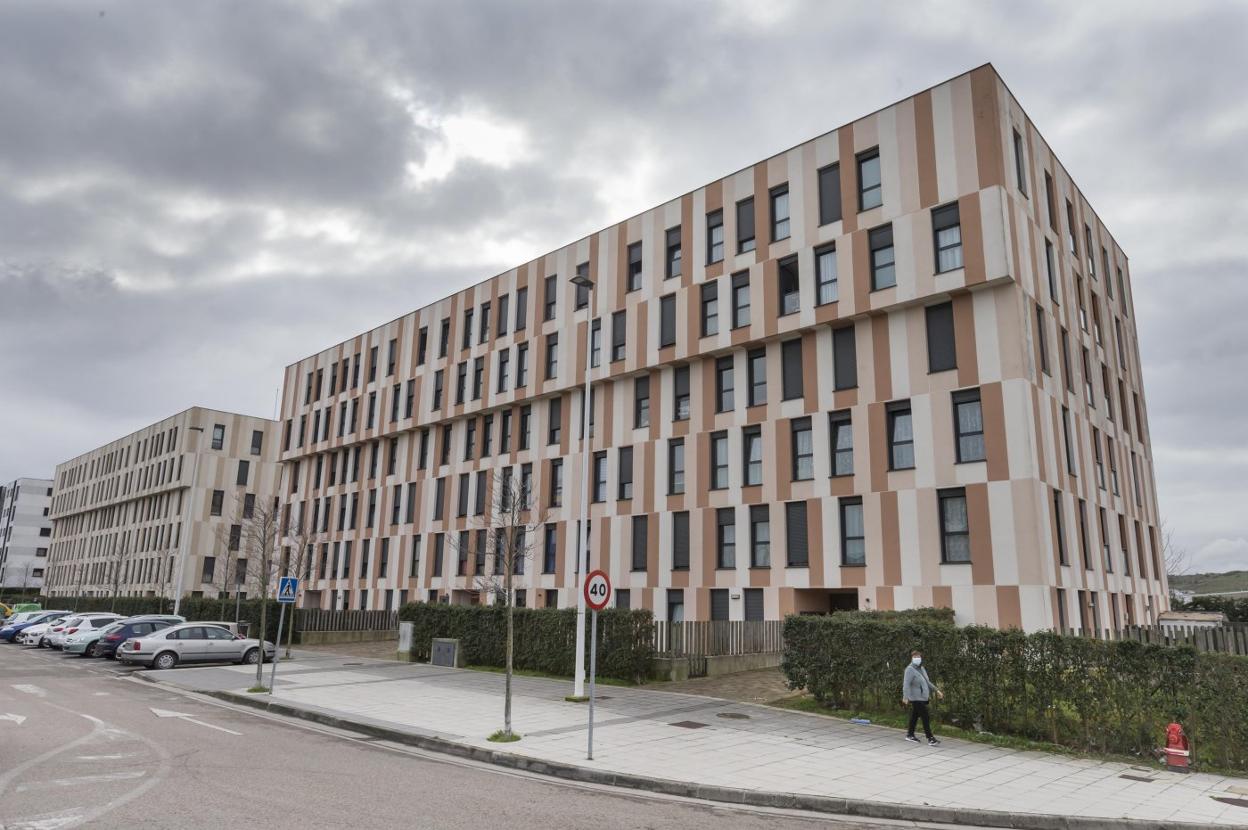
x=733 y=716
x=1137 y=778
x=688 y=724
x=1234 y=802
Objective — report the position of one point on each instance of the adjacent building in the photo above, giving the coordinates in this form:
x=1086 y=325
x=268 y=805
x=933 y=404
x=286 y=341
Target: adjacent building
x=25 y=533
x=123 y=513
x=893 y=366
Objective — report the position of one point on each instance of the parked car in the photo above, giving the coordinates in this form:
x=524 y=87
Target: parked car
x=33 y=636
x=10 y=631
x=71 y=625
x=84 y=635
x=7 y=611
x=122 y=630
x=192 y=642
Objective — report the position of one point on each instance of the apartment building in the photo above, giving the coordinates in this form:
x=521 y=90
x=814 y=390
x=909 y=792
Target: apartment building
x=893 y=366
x=123 y=513
x=25 y=532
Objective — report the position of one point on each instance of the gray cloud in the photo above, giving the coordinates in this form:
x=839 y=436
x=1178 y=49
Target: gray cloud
x=191 y=197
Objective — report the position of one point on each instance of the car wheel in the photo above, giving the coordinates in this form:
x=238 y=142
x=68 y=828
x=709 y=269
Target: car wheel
x=165 y=660
x=252 y=656
x=89 y=651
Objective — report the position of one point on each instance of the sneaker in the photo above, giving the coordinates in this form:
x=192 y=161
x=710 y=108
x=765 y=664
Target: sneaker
x=933 y=742
x=912 y=739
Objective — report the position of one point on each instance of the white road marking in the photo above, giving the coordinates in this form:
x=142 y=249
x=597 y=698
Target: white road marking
x=18 y=719
x=82 y=779
x=165 y=713
x=49 y=821
x=101 y=694
x=27 y=688
x=117 y=757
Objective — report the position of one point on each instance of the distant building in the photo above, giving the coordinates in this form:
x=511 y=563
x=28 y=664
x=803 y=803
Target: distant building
x=121 y=511
x=1191 y=619
x=25 y=532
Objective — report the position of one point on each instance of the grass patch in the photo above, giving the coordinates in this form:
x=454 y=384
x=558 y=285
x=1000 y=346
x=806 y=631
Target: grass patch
x=501 y=737
x=600 y=681
x=576 y=698
x=257 y=690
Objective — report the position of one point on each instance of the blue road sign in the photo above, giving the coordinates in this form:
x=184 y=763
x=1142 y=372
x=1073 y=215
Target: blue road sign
x=287 y=587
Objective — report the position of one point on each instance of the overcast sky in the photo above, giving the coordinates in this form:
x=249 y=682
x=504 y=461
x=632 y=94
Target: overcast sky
x=193 y=196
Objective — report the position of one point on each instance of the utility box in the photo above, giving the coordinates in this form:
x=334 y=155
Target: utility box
x=407 y=631
x=446 y=652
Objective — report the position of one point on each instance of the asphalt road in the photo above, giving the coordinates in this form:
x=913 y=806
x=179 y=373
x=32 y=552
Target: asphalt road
x=83 y=745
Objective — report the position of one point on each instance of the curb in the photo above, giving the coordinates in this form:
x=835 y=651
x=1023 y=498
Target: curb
x=729 y=795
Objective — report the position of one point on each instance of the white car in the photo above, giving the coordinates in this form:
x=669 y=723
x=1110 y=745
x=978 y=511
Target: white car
x=34 y=635
x=83 y=640
x=55 y=637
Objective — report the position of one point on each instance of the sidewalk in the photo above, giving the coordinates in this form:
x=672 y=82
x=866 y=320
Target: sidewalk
x=732 y=751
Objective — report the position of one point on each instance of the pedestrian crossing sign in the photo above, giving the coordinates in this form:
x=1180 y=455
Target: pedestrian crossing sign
x=287 y=587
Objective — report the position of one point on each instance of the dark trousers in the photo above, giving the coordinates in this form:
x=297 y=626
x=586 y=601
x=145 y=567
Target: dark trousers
x=918 y=709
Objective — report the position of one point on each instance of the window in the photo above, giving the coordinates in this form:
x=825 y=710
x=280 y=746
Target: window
x=790 y=286
x=1087 y=380
x=504 y=361
x=740 y=299
x=1059 y=528
x=844 y=358
x=968 y=426
x=462 y=504
x=470 y=439
x=955 y=533
x=797 y=547
x=1071 y=239
x=372 y=364
x=408 y=403
x=257 y=438
x=1113 y=464
x=218 y=501
x=672 y=261
x=726 y=537
x=1067 y=376
x=522 y=308
x=680 y=393
x=1098 y=458
x=555 y=421
x=826 y=290
x=676 y=605
x=595 y=342
x=244 y=467
x=752 y=455
x=900 y=437
x=1070 y=449
x=719 y=460
x=1050 y=200
x=550 y=296
x=830 y=194
x=802 y=449
x=466 y=340
x=841 y=431
x=639 y=544
x=883 y=270
x=745 y=226
x=582 y=291
x=1083 y=535
x=634 y=266
x=779 y=213
x=625 y=473
x=675 y=466
x=1083 y=309
x=667 y=321
x=478 y=377
x=600 y=476
x=437 y=390
x=642 y=402
x=522 y=365
x=556 y=482
x=504 y=432
x=550 y=549
x=461 y=382
x=552 y=355
x=710 y=308
x=391 y=356
x=1020 y=163
x=218 y=436
x=1090 y=251
x=619 y=335
x=941 y=349
x=947 y=235
x=484 y=333
x=760 y=536
x=680 y=540
x=724 y=384
x=714 y=236
x=439 y=499
x=1050 y=263
x=1042 y=340
x=870 y=189
x=503 y=314
x=853 y=532
x=756 y=370
x=791 y=369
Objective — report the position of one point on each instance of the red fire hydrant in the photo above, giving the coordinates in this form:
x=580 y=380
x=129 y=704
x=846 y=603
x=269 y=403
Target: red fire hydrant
x=1176 y=752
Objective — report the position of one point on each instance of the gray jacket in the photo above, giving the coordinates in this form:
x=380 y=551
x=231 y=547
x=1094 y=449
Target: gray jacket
x=917 y=685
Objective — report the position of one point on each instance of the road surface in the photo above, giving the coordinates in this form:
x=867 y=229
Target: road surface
x=84 y=745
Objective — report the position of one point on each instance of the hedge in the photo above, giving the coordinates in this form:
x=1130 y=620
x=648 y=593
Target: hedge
x=1086 y=694
x=193 y=608
x=544 y=640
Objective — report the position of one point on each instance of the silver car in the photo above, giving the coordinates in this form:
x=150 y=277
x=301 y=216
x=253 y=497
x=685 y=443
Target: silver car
x=55 y=638
x=192 y=642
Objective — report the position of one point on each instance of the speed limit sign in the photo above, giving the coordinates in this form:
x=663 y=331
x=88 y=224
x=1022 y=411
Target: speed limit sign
x=597 y=590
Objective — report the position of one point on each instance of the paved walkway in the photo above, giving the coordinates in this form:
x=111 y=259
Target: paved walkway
x=710 y=742
x=761 y=686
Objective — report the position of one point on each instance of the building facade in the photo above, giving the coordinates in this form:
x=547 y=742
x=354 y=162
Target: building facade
x=894 y=366
x=122 y=514
x=25 y=532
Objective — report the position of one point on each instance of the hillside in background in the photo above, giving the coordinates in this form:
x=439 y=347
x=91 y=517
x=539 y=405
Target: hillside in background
x=1211 y=583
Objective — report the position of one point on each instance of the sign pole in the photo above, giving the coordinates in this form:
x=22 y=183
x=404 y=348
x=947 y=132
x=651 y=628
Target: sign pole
x=281 y=618
x=593 y=672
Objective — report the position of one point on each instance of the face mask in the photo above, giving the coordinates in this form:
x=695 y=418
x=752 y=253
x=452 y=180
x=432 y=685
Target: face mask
x=916 y=660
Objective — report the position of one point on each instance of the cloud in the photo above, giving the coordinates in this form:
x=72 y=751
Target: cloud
x=192 y=197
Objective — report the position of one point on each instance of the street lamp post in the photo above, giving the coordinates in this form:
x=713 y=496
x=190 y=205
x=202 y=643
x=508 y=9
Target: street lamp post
x=578 y=684
x=186 y=523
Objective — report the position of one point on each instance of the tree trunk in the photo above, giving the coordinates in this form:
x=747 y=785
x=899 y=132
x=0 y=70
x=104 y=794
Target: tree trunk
x=264 y=607
x=290 y=631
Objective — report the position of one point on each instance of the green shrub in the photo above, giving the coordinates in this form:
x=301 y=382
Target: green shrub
x=1105 y=696
x=544 y=641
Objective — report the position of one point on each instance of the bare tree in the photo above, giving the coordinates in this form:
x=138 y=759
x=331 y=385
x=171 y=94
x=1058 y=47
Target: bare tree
x=1177 y=559
x=299 y=537
x=118 y=557
x=258 y=538
x=506 y=536
x=223 y=578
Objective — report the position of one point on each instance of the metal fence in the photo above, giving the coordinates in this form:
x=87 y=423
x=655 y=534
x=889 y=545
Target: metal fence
x=1228 y=638
x=718 y=638
x=316 y=619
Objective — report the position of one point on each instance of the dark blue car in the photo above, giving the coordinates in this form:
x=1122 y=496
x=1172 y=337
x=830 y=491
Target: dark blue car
x=10 y=631
x=122 y=630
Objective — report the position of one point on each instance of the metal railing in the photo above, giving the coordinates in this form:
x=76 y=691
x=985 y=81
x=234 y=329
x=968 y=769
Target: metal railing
x=317 y=619
x=718 y=638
